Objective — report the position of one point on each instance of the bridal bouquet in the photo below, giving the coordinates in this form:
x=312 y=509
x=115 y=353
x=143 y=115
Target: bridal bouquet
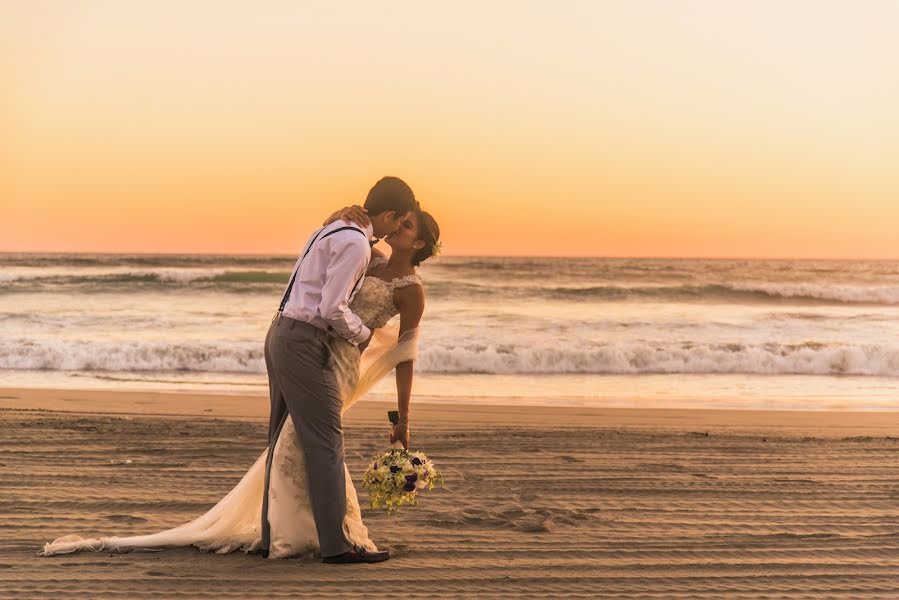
x=393 y=478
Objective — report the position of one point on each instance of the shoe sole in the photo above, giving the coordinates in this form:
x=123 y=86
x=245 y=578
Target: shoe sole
x=355 y=562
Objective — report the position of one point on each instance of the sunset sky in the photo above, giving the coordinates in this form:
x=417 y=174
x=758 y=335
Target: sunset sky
x=626 y=128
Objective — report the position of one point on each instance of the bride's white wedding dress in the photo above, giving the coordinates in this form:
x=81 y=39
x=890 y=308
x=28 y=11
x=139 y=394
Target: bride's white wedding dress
x=235 y=522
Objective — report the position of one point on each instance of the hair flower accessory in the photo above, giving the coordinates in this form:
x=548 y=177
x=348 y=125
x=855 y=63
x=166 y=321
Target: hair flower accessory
x=437 y=248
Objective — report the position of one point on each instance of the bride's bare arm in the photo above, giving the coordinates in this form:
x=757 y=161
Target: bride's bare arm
x=410 y=300
x=354 y=214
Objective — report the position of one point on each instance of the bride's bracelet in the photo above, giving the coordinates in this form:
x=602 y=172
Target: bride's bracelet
x=402 y=423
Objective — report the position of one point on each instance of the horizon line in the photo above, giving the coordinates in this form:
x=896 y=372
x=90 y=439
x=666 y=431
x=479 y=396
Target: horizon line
x=523 y=256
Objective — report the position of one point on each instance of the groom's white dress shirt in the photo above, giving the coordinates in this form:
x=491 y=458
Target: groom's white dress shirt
x=329 y=277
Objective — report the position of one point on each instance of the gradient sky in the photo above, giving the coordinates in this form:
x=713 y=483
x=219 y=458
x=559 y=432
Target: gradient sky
x=631 y=128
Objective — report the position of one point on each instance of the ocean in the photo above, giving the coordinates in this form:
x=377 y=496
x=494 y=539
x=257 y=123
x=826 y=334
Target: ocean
x=664 y=333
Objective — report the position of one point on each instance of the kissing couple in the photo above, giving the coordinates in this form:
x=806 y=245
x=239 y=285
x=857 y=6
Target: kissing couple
x=328 y=344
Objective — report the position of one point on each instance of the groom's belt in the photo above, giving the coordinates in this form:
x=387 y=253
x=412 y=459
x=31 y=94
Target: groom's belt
x=304 y=327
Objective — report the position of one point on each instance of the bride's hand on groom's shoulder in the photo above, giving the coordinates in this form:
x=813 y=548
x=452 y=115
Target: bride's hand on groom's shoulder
x=352 y=214
x=356 y=214
x=400 y=433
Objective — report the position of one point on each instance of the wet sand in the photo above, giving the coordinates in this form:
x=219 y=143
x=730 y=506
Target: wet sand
x=610 y=503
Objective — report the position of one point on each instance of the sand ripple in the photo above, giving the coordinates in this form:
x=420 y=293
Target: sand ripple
x=528 y=511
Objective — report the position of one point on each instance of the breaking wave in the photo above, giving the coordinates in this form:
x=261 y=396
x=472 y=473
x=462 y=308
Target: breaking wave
x=621 y=358
x=242 y=280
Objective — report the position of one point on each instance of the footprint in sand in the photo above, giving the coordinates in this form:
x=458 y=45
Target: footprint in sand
x=130 y=519
x=397 y=550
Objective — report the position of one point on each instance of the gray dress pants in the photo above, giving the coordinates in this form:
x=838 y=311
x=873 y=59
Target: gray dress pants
x=303 y=385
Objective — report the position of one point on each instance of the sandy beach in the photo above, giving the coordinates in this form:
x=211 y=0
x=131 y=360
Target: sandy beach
x=539 y=502
x=634 y=264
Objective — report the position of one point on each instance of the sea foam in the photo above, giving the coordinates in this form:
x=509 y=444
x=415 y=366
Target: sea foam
x=617 y=358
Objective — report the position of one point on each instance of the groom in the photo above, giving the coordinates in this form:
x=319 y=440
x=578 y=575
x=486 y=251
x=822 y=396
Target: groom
x=301 y=375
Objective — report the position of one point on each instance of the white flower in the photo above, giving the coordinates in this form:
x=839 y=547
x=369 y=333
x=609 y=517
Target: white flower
x=387 y=488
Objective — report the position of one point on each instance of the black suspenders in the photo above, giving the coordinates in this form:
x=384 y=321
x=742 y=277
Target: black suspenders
x=294 y=277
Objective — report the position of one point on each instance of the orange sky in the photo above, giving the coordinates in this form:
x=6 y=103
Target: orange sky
x=631 y=128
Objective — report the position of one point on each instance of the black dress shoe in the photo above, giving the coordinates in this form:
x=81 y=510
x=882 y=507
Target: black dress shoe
x=360 y=555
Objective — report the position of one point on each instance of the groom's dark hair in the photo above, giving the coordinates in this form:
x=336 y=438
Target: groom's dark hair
x=390 y=193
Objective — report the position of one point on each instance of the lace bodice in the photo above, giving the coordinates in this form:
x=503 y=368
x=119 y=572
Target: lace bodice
x=374 y=300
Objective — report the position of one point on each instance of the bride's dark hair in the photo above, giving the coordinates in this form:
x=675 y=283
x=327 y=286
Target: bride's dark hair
x=429 y=233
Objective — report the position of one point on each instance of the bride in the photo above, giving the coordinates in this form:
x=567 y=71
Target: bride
x=390 y=287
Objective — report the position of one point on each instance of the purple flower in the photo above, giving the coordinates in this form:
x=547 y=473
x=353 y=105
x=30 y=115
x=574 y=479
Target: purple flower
x=394 y=469
x=411 y=478
x=376 y=465
x=416 y=461
x=409 y=487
